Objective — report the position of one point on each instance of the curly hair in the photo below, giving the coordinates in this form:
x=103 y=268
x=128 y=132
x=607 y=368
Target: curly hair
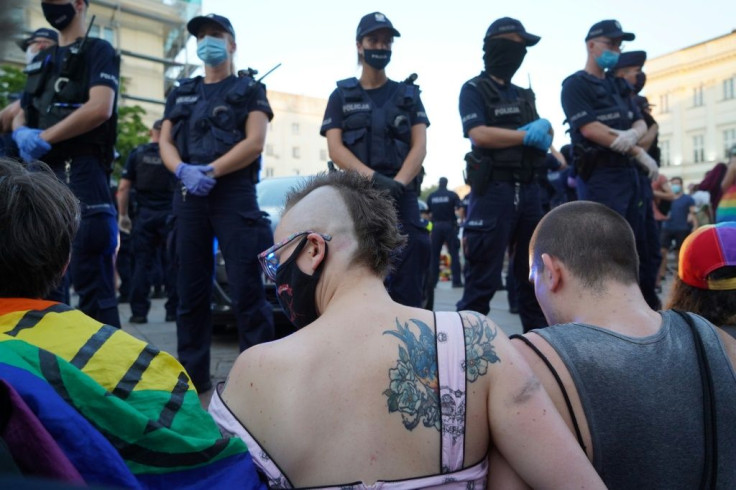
x=39 y=217
x=718 y=307
x=374 y=217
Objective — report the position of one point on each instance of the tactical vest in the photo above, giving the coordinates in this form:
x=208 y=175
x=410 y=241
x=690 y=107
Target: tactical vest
x=518 y=162
x=378 y=137
x=150 y=173
x=609 y=100
x=54 y=94
x=205 y=129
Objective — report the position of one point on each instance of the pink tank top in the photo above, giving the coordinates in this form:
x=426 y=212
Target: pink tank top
x=450 y=342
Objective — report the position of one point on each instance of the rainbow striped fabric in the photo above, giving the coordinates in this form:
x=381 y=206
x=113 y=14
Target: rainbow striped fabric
x=124 y=413
x=727 y=207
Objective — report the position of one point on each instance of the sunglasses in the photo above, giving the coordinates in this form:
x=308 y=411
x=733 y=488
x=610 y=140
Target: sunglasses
x=270 y=262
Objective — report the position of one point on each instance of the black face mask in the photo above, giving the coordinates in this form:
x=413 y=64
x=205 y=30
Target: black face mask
x=641 y=79
x=295 y=290
x=59 y=16
x=377 y=58
x=503 y=57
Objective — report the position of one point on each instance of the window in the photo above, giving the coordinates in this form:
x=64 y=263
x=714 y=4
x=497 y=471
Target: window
x=323 y=155
x=698 y=148
x=294 y=128
x=269 y=150
x=729 y=139
x=664 y=103
x=664 y=153
x=268 y=171
x=728 y=86
x=698 y=96
x=104 y=32
x=295 y=152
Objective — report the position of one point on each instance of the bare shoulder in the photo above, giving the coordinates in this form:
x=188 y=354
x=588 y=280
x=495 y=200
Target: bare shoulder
x=486 y=345
x=246 y=372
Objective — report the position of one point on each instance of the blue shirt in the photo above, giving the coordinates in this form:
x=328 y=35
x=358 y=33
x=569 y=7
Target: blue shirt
x=679 y=211
x=442 y=204
x=586 y=99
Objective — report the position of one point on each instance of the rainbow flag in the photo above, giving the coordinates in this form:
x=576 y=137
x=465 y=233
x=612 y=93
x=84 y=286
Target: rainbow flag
x=124 y=413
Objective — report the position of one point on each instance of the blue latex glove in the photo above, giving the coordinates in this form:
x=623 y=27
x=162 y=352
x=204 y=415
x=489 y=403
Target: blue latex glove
x=537 y=134
x=31 y=145
x=195 y=179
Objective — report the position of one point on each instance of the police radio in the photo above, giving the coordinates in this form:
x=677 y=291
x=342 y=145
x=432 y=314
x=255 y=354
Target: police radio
x=70 y=63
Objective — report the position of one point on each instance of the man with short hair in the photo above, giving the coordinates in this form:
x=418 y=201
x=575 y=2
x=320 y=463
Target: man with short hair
x=69 y=120
x=631 y=374
x=154 y=191
x=442 y=204
x=606 y=127
x=509 y=143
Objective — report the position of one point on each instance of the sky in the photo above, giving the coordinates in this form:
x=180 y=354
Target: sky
x=442 y=42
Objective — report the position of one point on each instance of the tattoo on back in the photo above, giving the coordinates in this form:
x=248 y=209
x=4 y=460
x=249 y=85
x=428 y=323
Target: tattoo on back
x=414 y=389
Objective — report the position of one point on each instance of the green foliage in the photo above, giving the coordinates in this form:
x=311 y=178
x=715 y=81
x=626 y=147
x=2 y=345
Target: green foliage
x=132 y=132
x=427 y=191
x=12 y=80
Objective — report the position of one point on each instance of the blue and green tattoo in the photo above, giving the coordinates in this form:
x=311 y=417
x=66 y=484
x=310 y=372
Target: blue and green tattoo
x=414 y=383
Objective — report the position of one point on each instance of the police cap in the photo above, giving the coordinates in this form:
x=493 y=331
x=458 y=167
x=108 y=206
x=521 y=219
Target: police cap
x=194 y=25
x=609 y=28
x=631 y=58
x=43 y=33
x=373 y=22
x=506 y=25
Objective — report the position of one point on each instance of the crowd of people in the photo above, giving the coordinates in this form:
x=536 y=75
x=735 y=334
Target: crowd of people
x=371 y=389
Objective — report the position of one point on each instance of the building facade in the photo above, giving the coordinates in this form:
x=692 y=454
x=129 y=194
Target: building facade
x=693 y=91
x=293 y=143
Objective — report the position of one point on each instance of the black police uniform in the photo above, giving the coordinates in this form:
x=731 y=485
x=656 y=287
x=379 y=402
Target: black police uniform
x=442 y=204
x=59 y=80
x=207 y=121
x=604 y=175
x=376 y=127
x=504 y=206
x=154 y=189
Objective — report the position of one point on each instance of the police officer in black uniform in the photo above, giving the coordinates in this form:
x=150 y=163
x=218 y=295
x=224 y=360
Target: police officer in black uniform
x=69 y=120
x=606 y=128
x=38 y=41
x=629 y=67
x=212 y=137
x=509 y=143
x=442 y=205
x=378 y=127
x=154 y=189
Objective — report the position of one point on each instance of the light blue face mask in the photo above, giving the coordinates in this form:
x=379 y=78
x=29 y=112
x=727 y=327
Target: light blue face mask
x=676 y=188
x=607 y=59
x=212 y=50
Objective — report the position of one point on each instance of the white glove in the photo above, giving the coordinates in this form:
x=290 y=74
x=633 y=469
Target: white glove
x=626 y=140
x=647 y=163
x=125 y=224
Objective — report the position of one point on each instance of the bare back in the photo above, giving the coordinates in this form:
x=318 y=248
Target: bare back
x=337 y=403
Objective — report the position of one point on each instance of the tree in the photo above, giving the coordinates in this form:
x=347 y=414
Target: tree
x=132 y=132
x=12 y=82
